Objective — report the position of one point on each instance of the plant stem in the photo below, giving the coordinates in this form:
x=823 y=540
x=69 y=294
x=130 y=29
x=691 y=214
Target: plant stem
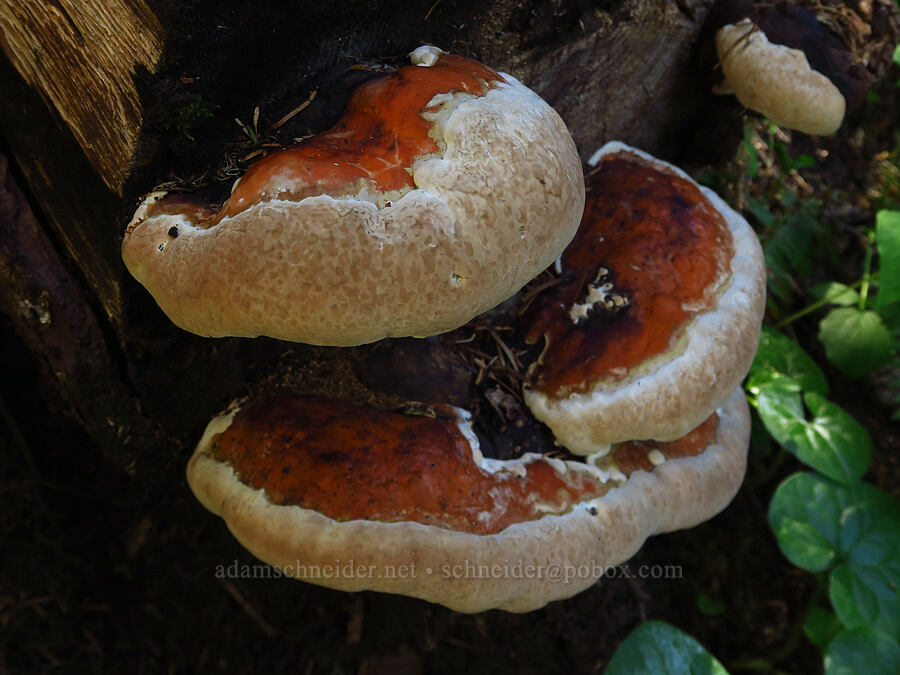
x=867 y=271
x=767 y=664
x=811 y=308
x=790 y=644
x=867 y=279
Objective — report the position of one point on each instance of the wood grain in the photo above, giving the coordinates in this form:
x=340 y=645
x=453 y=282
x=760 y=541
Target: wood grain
x=82 y=58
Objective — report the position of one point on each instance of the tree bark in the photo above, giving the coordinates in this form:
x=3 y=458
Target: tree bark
x=122 y=559
x=622 y=70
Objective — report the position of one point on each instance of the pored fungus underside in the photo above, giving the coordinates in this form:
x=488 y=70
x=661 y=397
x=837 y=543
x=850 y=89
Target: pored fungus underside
x=653 y=240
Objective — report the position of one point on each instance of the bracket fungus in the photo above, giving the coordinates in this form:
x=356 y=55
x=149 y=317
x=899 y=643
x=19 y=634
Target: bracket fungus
x=355 y=498
x=657 y=314
x=651 y=326
x=777 y=81
x=804 y=64
x=443 y=190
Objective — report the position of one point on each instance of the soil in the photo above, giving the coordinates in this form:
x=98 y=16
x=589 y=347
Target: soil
x=118 y=569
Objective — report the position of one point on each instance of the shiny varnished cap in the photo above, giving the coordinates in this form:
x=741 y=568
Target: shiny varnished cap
x=657 y=312
x=443 y=190
x=310 y=484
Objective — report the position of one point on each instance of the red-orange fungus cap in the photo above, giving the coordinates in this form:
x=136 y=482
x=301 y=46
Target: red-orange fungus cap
x=376 y=142
x=632 y=456
x=664 y=251
x=349 y=462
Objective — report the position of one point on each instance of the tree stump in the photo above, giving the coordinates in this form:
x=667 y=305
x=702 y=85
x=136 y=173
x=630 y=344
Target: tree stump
x=623 y=70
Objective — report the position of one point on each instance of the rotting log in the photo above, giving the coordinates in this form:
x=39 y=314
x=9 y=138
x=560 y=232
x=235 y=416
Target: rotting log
x=623 y=69
x=71 y=117
x=44 y=300
x=82 y=57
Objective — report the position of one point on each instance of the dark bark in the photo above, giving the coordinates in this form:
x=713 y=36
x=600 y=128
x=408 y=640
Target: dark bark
x=613 y=69
x=114 y=570
x=56 y=323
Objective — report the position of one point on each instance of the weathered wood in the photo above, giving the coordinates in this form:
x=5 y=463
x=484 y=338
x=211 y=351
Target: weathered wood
x=618 y=71
x=64 y=189
x=82 y=57
x=635 y=78
x=71 y=116
x=46 y=306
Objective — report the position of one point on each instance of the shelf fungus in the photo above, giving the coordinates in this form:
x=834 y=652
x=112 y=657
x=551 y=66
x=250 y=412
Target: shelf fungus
x=657 y=313
x=777 y=81
x=649 y=329
x=355 y=498
x=804 y=64
x=444 y=189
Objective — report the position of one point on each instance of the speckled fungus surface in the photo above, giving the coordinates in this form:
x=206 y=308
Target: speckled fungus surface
x=657 y=314
x=777 y=81
x=442 y=191
x=360 y=499
x=650 y=327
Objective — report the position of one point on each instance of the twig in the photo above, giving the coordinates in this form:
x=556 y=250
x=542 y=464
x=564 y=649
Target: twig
x=293 y=112
x=266 y=627
x=507 y=352
x=428 y=13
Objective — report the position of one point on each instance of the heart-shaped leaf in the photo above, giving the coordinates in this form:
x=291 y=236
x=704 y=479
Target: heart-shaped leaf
x=658 y=647
x=821 y=626
x=856 y=340
x=827 y=439
x=862 y=650
x=855 y=532
x=778 y=355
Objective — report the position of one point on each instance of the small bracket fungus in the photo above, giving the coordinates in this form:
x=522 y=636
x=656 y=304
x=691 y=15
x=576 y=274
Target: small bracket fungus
x=443 y=190
x=777 y=81
x=308 y=484
x=804 y=64
x=676 y=325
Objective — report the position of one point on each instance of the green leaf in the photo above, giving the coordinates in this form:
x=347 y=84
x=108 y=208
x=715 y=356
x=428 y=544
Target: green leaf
x=802 y=161
x=865 y=591
x=887 y=236
x=657 y=647
x=790 y=163
x=856 y=341
x=805 y=516
x=855 y=531
x=709 y=605
x=890 y=314
x=785 y=383
x=862 y=650
x=849 y=523
x=835 y=294
x=821 y=626
x=787 y=196
x=779 y=356
x=760 y=211
x=791 y=250
x=831 y=442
